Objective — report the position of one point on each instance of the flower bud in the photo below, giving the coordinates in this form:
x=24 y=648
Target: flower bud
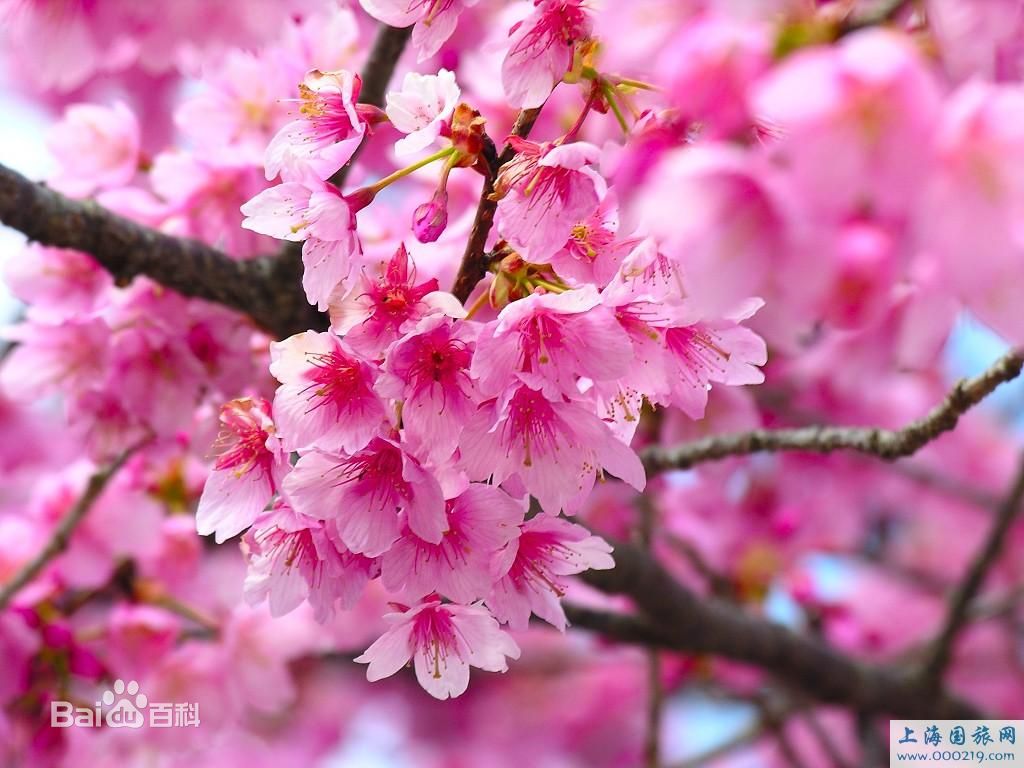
x=430 y=219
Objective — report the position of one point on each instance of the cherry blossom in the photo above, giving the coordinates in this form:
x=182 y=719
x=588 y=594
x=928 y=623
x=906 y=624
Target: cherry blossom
x=541 y=50
x=443 y=641
x=421 y=108
x=247 y=472
x=532 y=568
x=326 y=398
x=545 y=191
x=367 y=495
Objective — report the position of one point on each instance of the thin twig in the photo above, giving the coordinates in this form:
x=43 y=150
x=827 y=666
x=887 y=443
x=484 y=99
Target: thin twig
x=61 y=536
x=884 y=443
x=959 y=607
x=474 y=260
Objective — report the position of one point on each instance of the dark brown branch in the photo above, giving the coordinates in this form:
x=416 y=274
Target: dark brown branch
x=475 y=260
x=960 y=603
x=680 y=620
x=61 y=536
x=883 y=443
x=267 y=289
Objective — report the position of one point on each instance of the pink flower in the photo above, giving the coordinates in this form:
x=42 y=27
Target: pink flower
x=531 y=570
x=716 y=350
x=548 y=341
x=443 y=641
x=481 y=521
x=421 y=109
x=366 y=496
x=203 y=193
x=545 y=191
x=326 y=398
x=247 y=472
x=317 y=213
x=710 y=67
x=375 y=313
x=327 y=134
x=428 y=371
x=971 y=212
x=592 y=253
x=435 y=20
x=58 y=283
x=96 y=148
x=291 y=559
x=541 y=50
x=855 y=122
x=47 y=359
x=711 y=210
x=556 y=448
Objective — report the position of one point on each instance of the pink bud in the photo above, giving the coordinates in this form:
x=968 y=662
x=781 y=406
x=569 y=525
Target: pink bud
x=430 y=219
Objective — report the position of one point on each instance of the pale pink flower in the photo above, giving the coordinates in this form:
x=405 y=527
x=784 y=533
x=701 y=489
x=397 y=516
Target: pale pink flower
x=545 y=191
x=435 y=20
x=367 y=496
x=292 y=559
x=712 y=210
x=47 y=359
x=541 y=50
x=58 y=283
x=428 y=371
x=443 y=641
x=247 y=472
x=974 y=202
x=481 y=520
x=96 y=148
x=710 y=67
x=326 y=398
x=548 y=341
x=317 y=213
x=202 y=194
x=556 y=448
x=378 y=310
x=854 y=120
x=328 y=132
x=241 y=103
x=530 y=570
x=422 y=108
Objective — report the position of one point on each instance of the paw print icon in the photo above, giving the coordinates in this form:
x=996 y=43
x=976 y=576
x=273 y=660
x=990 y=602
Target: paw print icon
x=127 y=712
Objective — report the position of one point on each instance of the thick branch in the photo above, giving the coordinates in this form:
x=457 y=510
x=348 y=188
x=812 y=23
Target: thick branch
x=960 y=603
x=680 y=620
x=475 y=260
x=267 y=289
x=61 y=536
x=883 y=443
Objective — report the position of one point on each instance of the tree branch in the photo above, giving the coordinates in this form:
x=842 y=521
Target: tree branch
x=475 y=261
x=61 y=536
x=960 y=603
x=680 y=620
x=267 y=289
x=883 y=443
